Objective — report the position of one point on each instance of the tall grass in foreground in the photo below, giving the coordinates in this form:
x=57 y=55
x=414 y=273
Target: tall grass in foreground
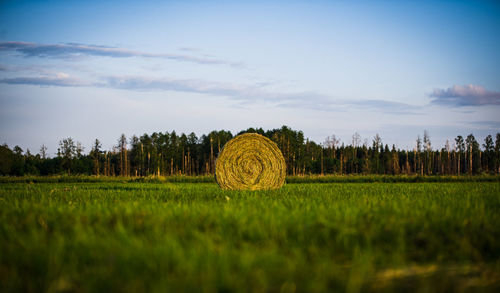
x=129 y=237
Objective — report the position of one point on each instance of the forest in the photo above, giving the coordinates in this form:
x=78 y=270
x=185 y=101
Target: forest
x=164 y=154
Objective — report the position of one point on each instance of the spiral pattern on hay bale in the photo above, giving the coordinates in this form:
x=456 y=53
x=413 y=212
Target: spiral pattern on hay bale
x=250 y=161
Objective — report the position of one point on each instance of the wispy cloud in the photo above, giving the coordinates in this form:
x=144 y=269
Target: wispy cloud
x=72 y=50
x=467 y=95
x=233 y=91
x=247 y=94
x=167 y=84
x=189 y=49
x=60 y=79
x=242 y=94
x=323 y=103
x=485 y=123
x=253 y=93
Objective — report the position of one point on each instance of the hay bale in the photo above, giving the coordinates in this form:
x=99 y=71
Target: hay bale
x=250 y=161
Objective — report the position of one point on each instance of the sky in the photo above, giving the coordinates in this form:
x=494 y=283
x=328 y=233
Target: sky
x=97 y=69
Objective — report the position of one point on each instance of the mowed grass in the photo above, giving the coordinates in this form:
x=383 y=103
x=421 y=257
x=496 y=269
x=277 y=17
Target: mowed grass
x=171 y=237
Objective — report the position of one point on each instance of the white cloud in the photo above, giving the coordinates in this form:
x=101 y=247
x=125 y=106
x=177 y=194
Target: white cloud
x=467 y=95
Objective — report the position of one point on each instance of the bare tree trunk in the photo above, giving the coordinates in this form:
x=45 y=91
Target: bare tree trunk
x=189 y=162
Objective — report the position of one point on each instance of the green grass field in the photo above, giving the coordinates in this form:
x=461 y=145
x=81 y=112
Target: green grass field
x=171 y=237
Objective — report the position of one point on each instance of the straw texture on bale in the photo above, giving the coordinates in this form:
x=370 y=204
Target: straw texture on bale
x=250 y=161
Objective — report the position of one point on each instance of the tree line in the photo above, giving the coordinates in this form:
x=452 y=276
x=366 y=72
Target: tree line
x=164 y=154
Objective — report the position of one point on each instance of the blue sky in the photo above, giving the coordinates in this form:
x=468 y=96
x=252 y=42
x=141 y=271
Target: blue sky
x=87 y=70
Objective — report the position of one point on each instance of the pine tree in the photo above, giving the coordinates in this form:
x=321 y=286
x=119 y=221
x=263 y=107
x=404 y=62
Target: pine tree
x=489 y=152
x=96 y=155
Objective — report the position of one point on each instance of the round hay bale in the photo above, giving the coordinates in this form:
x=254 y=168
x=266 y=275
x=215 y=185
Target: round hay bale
x=250 y=161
